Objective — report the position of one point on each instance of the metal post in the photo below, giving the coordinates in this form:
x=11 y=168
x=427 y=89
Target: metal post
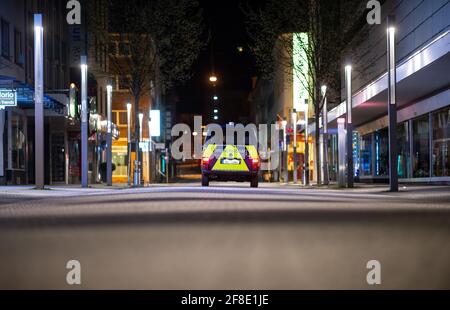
x=141 y=162
x=326 y=174
x=109 y=137
x=150 y=148
x=392 y=105
x=39 y=102
x=129 y=143
x=285 y=153
x=306 y=168
x=84 y=123
x=167 y=165
x=294 y=125
x=341 y=152
x=348 y=83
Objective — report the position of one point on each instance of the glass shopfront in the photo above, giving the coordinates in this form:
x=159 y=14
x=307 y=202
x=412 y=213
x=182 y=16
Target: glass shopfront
x=18 y=142
x=441 y=143
x=381 y=152
x=366 y=155
x=403 y=144
x=421 y=147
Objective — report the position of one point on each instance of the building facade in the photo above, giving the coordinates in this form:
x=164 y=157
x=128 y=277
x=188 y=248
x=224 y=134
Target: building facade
x=17 y=75
x=423 y=96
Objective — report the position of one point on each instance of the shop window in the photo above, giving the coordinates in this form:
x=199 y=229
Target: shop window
x=120 y=160
x=421 y=148
x=120 y=118
x=5 y=39
x=441 y=143
x=18 y=48
x=18 y=141
x=382 y=152
x=403 y=144
x=366 y=155
x=124 y=82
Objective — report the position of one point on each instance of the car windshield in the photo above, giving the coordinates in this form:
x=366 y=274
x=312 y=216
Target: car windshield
x=231 y=136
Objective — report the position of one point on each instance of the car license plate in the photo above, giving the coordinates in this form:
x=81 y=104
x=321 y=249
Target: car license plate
x=227 y=161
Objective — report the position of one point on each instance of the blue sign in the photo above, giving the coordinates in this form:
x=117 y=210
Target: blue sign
x=8 y=98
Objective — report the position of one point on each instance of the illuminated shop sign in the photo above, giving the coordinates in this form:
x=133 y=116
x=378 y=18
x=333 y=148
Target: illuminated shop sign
x=8 y=98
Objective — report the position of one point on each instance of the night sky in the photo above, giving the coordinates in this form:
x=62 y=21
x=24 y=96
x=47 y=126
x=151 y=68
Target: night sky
x=226 y=22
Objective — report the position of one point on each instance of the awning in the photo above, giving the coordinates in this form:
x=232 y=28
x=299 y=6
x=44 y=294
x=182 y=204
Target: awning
x=25 y=95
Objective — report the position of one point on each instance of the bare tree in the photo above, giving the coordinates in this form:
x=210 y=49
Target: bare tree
x=159 y=40
x=275 y=32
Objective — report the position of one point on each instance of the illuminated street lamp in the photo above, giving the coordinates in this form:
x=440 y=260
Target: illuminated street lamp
x=213 y=79
x=326 y=174
x=392 y=105
x=39 y=101
x=348 y=83
x=109 y=136
x=84 y=123
x=215 y=98
x=306 y=160
x=129 y=143
x=138 y=165
x=216 y=117
x=294 y=125
x=150 y=147
x=284 y=155
x=216 y=111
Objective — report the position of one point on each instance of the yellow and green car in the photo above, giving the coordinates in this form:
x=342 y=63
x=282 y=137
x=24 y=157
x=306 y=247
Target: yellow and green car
x=230 y=162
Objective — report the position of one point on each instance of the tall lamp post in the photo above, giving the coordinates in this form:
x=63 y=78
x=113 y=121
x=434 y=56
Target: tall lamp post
x=84 y=123
x=294 y=125
x=348 y=83
x=39 y=102
x=306 y=168
x=392 y=105
x=141 y=119
x=326 y=174
x=109 y=136
x=129 y=143
x=150 y=181
x=285 y=149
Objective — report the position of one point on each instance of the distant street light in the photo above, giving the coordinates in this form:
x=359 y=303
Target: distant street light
x=294 y=125
x=306 y=160
x=216 y=98
x=84 y=123
x=129 y=143
x=216 y=111
x=109 y=136
x=150 y=148
x=39 y=102
x=392 y=105
x=140 y=163
x=285 y=149
x=326 y=174
x=213 y=79
x=216 y=117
